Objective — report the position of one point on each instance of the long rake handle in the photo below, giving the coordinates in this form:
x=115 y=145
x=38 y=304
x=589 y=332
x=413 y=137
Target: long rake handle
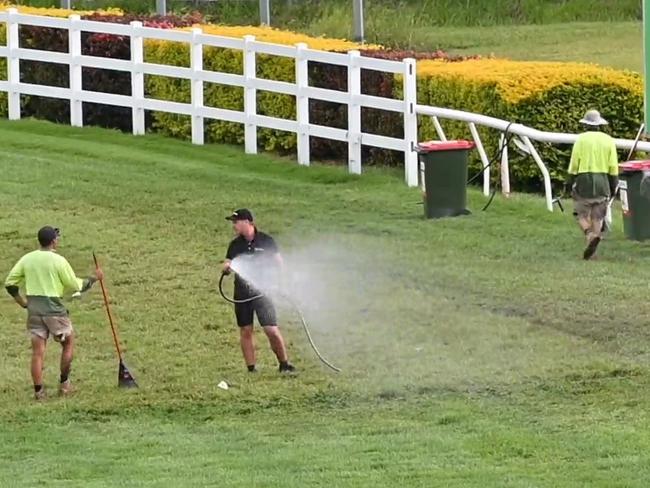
x=108 y=312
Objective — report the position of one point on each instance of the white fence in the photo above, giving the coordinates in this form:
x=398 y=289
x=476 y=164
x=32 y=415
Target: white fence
x=197 y=75
x=301 y=90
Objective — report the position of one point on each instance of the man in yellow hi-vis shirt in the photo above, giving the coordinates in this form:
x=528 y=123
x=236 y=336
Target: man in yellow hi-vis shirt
x=593 y=178
x=46 y=276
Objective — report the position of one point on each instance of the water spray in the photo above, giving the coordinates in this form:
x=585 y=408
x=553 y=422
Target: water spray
x=296 y=309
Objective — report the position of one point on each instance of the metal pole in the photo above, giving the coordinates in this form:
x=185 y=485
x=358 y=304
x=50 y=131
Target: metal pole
x=646 y=63
x=358 y=20
x=265 y=12
x=66 y=4
x=161 y=7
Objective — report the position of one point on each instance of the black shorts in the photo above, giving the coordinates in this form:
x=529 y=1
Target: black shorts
x=262 y=307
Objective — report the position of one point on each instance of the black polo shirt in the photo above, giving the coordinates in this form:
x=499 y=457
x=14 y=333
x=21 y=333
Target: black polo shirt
x=261 y=250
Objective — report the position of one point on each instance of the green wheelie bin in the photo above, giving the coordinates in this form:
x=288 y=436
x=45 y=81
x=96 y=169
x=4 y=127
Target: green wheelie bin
x=634 y=188
x=443 y=177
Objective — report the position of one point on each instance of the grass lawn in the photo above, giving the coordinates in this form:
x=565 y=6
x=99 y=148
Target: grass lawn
x=476 y=352
x=615 y=44
x=618 y=44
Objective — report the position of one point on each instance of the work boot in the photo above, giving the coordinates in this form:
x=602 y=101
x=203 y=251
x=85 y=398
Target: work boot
x=287 y=368
x=66 y=388
x=590 y=250
x=39 y=396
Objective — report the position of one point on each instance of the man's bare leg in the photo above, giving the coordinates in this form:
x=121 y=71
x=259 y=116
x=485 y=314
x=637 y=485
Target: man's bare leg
x=596 y=228
x=38 y=356
x=593 y=235
x=585 y=224
x=67 y=352
x=277 y=342
x=247 y=341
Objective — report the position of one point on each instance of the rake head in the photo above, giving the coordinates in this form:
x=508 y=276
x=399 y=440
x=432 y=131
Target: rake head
x=124 y=378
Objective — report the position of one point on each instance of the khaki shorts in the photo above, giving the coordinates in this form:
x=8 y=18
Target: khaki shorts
x=590 y=208
x=43 y=325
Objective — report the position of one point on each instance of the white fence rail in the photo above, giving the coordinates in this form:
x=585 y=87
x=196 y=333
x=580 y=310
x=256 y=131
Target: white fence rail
x=196 y=109
x=248 y=80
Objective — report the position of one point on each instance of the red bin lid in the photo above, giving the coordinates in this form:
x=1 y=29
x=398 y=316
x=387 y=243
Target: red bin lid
x=635 y=166
x=445 y=145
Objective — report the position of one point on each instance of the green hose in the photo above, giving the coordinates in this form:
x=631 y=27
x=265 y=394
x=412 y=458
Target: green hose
x=296 y=309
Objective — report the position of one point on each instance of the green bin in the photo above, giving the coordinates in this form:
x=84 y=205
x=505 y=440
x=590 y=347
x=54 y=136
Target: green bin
x=634 y=187
x=443 y=177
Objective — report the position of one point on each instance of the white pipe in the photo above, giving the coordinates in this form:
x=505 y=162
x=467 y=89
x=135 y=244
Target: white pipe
x=548 y=191
x=505 y=165
x=439 y=129
x=484 y=159
x=518 y=129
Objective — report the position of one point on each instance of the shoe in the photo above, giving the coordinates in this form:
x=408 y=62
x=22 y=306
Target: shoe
x=40 y=395
x=287 y=368
x=590 y=250
x=66 y=388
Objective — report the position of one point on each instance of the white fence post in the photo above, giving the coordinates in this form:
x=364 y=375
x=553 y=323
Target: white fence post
x=74 y=49
x=196 y=63
x=137 y=79
x=13 y=65
x=265 y=12
x=302 y=104
x=354 y=113
x=250 y=96
x=410 y=122
x=357 y=13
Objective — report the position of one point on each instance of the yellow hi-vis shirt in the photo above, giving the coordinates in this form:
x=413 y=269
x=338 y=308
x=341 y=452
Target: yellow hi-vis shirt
x=593 y=159
x=45 y=276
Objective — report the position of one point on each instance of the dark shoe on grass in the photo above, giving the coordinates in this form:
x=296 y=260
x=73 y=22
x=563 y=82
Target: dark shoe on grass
x=590 y=250
x=287 y=368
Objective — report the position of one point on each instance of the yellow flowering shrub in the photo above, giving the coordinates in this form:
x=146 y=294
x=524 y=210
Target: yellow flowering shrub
x=517 y=80
x=277 y=36
x=58 y=12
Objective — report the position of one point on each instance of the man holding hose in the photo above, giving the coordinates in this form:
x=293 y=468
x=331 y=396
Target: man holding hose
x=46 y=276
x=261 y=250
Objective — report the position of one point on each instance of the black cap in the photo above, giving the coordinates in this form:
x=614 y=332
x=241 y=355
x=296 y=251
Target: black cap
x=241 y=214
x=47 y=234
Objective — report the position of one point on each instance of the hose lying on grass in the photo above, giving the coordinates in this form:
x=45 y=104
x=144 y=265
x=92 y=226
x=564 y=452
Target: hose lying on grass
x=296 y=309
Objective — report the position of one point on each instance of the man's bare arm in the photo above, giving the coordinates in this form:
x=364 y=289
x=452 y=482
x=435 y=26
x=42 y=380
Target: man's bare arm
x=14 y=291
